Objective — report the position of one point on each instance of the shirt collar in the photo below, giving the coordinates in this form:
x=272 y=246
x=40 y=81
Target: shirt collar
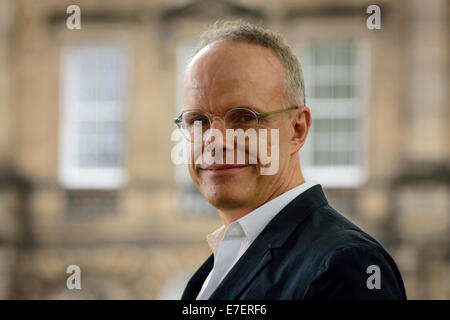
x=214 y=238
x=253 y=223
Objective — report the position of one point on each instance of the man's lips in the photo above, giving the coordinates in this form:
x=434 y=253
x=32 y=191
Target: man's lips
x=223 y=169
x=216 y=167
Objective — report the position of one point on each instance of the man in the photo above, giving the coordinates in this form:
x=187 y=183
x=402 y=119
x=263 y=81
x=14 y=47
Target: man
x=280 y=239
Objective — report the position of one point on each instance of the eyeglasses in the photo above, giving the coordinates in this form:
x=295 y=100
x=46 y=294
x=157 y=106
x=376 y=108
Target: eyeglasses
x=235 y=118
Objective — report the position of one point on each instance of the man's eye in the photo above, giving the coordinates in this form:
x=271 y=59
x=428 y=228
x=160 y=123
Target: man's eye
x=246 y=117
x=199 y=120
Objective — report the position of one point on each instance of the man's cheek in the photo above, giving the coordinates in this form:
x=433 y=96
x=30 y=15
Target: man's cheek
x=194 y=152
x=193 y=173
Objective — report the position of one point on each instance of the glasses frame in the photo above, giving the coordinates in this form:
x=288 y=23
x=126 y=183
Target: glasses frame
x=259 y=116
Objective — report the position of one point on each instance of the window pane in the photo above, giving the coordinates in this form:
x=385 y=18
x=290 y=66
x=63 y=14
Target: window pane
x=323 y=92
x=322 y=158
x=342 y=158
x=344 y=125
x=344 y=53
x=322 y=125
x=334 y=135
x=101 y=74
x=323 y=54
x=100 y=144
x=93 y=118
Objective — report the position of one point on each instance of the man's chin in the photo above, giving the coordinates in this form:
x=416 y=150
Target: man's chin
x=227 y=190
x=225 y=200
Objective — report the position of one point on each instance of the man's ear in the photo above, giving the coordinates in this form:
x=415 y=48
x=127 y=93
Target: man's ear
x=300 y=124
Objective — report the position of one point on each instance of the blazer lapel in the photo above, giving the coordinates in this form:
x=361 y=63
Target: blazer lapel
x=195 y=283
x=243 y=272
x=274 y=235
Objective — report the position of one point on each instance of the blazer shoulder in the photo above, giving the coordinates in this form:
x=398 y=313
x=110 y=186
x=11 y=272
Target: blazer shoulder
x=343 y=253
x=326 y=228
x=326 y=233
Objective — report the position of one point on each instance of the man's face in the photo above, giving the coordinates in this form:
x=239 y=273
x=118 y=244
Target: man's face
x=228 y=75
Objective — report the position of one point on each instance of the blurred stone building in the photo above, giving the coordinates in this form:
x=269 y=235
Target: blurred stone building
x=86 y=176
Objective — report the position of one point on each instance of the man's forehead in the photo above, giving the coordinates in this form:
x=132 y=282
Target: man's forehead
x=234 y=74
x=239 y=60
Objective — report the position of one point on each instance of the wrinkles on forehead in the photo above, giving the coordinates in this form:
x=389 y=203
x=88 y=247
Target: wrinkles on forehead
x=225 y=74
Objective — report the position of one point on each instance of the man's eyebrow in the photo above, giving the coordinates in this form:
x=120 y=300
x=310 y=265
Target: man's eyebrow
x=247 y=106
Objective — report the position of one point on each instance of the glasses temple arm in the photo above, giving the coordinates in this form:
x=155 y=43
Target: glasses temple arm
x=267 y=114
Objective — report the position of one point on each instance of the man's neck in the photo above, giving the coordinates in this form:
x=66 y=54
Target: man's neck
x=230 y=215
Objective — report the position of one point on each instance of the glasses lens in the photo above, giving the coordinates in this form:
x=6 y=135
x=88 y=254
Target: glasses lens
x=241 y=119
x=192 y=120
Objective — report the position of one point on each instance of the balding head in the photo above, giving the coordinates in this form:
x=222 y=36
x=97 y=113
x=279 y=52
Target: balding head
x=242 y=31
x=227 y=74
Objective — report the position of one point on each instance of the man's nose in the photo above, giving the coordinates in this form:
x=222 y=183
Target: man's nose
x=217 y=123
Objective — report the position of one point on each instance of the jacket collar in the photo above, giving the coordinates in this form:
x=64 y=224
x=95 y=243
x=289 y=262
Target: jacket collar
x=195 y=283
x=259 y=254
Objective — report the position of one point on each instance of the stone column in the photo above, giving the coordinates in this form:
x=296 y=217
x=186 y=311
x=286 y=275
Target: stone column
x=420 y=193
x=426 y=109
x=6 y=110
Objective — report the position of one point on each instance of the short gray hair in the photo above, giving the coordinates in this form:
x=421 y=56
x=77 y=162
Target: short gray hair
x=241 y=31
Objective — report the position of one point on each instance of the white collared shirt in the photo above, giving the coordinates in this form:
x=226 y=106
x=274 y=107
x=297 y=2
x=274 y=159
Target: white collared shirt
x=229 y=244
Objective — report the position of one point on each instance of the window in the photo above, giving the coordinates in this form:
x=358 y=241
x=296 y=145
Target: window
x=92 y=120
x=191 y=201
x=335 y=150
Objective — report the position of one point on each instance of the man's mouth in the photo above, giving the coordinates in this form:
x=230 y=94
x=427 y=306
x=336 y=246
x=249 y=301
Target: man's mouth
x=223 y=168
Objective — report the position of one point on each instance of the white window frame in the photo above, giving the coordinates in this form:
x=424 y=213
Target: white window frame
x=349 y=176
x=71 y=175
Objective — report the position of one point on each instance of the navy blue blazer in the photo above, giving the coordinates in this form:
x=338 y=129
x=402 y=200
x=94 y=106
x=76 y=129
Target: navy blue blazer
x=307 y=251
